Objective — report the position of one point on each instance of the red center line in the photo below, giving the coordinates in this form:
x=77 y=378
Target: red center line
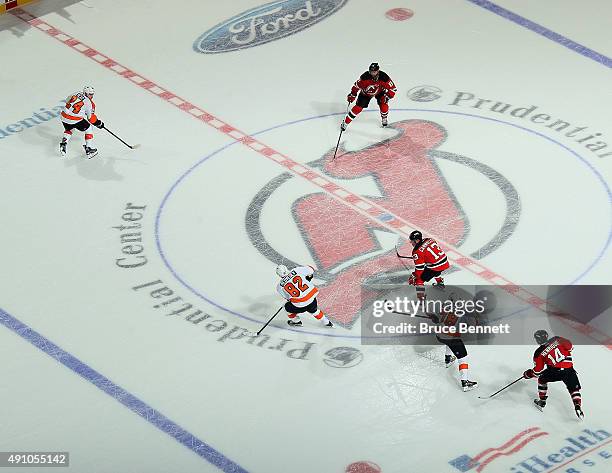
x=363 y=206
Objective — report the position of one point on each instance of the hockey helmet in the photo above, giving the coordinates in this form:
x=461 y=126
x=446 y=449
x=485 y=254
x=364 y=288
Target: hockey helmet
x=88 y=90
x=541 y=337
x=416 y=236
x=282 y=270
x=374 y=67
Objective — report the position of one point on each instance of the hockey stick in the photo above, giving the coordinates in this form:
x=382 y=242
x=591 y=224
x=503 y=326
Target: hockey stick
x=497 y=392
x=129 y=146
x=341 y=131
x=338 y=144
x=402 y=257
x=270 y=320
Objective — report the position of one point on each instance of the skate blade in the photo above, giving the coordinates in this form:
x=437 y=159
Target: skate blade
x=469 y=388
x=90 y=156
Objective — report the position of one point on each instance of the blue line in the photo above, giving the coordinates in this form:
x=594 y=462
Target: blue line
x=121 y=395
x=543 y=31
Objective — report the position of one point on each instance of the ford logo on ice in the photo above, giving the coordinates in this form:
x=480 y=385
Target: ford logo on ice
x=264 y=24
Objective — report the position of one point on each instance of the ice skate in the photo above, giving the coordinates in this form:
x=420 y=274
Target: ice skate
x=90 y=152
x=439 y=283
x=329 y=324
x=343 y=126
x=579 y=412
x=63 y=147
x=294 y=323
x=540 y=403
x=468 y=385
x=384 y=122
x=449 y=360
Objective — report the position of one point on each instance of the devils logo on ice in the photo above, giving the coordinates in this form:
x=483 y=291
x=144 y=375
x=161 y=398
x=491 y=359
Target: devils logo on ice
x=401 y=175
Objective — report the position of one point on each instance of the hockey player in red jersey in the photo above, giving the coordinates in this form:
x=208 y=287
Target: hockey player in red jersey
x=429 y=262
x=553 y=362
x=372 y=83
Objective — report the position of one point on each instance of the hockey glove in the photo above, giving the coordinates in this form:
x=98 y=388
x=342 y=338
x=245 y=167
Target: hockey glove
x=529 y=374
x=350 y=98
x=98 y=123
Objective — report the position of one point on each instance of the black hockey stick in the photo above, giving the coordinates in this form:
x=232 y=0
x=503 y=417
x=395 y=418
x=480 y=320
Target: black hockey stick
x=129 y=146
x=497 y=392
x=341 y=131
x=402 y=257
x=266 y=324
x=337 y=144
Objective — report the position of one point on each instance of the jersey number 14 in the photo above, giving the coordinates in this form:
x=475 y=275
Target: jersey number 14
x=558 y=358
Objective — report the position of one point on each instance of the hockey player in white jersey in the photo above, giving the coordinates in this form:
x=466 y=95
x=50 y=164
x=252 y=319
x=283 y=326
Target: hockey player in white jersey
x=80 y=113
x=297 y=287
x=455 y=348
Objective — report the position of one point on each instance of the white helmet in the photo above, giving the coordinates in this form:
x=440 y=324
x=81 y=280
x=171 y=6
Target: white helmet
x=282 y=270
x=88 y=90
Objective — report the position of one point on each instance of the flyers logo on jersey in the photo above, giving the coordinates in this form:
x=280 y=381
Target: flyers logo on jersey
x=265 y=23
x=346 y=245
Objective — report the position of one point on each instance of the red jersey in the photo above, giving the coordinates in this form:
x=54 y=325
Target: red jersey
x=428 y=254
x=555 y=353
x=371 y=87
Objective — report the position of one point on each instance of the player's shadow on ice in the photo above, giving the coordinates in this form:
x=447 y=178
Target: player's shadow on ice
x=18 y=27
x=100 y=168
x=96 y=169
x=261 y=308
x=330 y=108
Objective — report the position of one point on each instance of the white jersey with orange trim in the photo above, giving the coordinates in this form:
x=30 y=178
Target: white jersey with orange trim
x=297 y=287
x=447 y=319
x=78 y=107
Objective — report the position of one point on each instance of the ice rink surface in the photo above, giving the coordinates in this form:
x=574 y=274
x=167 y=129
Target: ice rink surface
x=130 y=280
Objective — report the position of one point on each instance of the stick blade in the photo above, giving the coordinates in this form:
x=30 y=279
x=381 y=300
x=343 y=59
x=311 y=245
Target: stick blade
x=135 y=146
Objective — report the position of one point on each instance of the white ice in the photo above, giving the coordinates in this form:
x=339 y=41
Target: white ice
x=288 y=401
